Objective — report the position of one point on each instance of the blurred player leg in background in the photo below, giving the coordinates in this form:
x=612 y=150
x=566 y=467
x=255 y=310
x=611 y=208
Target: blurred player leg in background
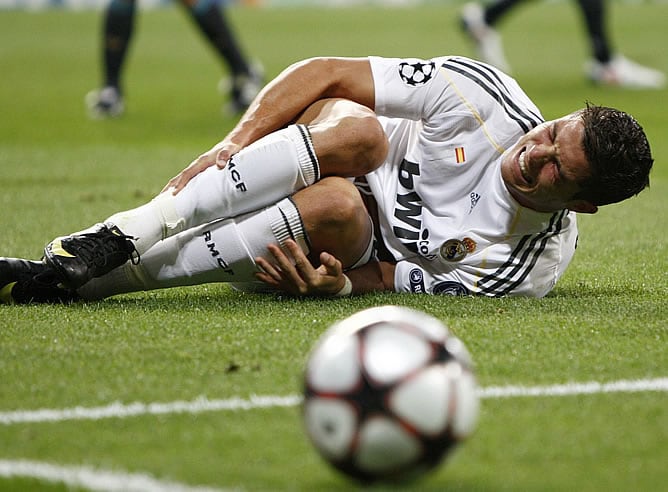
x=605 y=67
x=118 y=27
x=246 y=79
x=609 y=68
x=478 y=23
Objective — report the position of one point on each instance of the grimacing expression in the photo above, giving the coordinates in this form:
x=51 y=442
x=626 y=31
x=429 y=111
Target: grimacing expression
x=542 y=171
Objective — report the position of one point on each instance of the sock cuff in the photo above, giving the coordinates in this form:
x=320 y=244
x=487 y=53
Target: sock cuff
x=286 y=223
x=308 y=161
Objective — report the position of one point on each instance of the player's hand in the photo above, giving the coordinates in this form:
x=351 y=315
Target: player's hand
x=292 y=272
x=219 y=155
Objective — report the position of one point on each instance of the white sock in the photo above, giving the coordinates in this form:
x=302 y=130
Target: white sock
x=149 y=223
x=220 y=251
x=272 y=168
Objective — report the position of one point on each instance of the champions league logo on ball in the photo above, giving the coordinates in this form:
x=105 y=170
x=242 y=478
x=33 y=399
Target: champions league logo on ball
x=416 y=72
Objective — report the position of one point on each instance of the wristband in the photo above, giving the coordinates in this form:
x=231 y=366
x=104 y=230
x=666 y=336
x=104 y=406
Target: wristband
x=347 y=288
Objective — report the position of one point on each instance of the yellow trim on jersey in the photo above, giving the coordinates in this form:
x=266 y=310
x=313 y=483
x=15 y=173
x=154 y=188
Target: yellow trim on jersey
x=498 y=148
x=513 y=225
x=473 y=111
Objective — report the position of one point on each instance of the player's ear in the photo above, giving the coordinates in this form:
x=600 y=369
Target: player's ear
x=582 y=207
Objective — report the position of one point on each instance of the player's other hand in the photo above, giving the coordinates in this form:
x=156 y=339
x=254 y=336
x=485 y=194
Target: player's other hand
x=291 y=271
x=218 y=155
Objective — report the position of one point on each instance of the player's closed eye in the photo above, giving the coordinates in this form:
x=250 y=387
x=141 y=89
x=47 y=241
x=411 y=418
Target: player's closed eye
x=557 y=160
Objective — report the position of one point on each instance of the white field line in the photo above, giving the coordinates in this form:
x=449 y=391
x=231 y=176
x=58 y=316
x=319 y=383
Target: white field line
x=121 y=410
x=93 y=479
x=114 y=481
x=203 y=404
x=622 y=386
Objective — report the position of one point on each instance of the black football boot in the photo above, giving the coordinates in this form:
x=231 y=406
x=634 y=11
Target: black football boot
x=26 y=281
x=89 y=254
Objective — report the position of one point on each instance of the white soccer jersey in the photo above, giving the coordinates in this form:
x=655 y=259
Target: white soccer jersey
x=444 y=211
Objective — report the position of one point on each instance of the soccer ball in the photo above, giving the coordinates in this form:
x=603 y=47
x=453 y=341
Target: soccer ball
x=388 y=393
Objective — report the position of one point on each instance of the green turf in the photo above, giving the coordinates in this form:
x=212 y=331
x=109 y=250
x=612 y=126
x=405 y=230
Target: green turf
x=60 y=172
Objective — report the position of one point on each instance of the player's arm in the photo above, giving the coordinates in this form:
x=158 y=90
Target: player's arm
x=373 y=276
x=287 y=96
x=292 y=272
x=286 y=99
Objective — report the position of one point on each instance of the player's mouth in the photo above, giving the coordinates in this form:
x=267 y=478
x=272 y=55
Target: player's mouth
x=524 y=166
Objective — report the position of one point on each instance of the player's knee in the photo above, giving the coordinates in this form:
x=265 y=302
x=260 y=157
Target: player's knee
x=334 y=204
x=373 y=142
x=349 y=207
x=349 y=140
x=335 y=218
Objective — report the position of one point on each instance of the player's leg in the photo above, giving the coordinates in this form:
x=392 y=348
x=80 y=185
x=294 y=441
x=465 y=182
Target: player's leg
x=266 y=171
x=336 y=221
x=246 y=79
x=343 y=138
x=263 y=173
x=493 y=12
x=593 y=13
x=332 y=138
x=221 y=251
x=118 y=26
x=327 y=216
x=605 y=67
x=25 y=281
x=478 y=22
x=348 y=139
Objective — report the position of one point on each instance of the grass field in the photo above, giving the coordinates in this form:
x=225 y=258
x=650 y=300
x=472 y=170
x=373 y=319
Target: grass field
x=605 y=322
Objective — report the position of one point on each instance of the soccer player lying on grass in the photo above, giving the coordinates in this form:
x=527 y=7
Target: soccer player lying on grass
x=355 y=175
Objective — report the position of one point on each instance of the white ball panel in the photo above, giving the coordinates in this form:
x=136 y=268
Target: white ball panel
x=457 y=348
x=391 y=353
x=467 y=409
x=423 y=400
x=331 y=424
x=427 y=324
x=334 y=365
x=384 y=446
x=430 y=327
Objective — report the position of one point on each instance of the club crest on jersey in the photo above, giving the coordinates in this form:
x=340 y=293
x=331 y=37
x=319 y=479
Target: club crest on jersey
x=416 y=72
x=455 y=250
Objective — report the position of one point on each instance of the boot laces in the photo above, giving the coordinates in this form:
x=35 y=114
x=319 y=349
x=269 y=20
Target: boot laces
x=100 y=251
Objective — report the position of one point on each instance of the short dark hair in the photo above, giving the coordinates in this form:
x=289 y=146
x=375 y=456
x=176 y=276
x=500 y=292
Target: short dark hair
x=618 y=153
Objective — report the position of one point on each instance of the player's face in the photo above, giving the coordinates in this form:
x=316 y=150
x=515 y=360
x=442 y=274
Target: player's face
x=543 y=170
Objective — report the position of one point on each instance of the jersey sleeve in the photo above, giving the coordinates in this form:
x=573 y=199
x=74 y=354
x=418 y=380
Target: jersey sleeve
x=408 y=87
x=442 y=92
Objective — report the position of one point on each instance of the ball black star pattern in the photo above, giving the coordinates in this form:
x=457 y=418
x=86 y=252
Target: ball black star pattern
x=415 y=73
